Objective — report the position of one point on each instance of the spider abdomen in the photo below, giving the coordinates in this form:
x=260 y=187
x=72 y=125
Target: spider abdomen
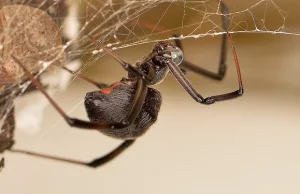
x=113 y=104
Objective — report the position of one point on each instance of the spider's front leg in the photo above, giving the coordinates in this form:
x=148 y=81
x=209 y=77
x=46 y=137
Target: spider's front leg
x=181 y=78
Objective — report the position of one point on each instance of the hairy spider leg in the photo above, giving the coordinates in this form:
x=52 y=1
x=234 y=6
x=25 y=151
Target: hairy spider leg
x=181 y=78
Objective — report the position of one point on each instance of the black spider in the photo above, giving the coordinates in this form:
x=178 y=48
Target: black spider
x=126 y=109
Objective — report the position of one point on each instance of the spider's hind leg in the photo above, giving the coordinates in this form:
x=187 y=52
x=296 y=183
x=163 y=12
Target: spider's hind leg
x=93 y=164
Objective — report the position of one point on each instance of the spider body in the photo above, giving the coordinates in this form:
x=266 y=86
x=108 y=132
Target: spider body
x=126 y=109
x=113 y=104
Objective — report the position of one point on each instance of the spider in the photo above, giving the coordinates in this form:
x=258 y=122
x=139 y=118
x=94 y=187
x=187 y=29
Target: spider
x=126 y=109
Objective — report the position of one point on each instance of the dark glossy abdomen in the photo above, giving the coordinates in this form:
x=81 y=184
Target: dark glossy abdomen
x=112 y=105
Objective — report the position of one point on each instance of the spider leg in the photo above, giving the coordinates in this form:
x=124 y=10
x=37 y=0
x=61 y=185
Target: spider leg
x=128 y=67
x=141 y=92
x=222 y=63
x=104 y=159
x=97 y=84
x=94 y=163
x=181 y=78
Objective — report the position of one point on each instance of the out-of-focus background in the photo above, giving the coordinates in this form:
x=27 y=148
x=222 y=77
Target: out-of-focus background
x=246 y=145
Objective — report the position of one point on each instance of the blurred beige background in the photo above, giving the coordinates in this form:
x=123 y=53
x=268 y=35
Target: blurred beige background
x=249 y=145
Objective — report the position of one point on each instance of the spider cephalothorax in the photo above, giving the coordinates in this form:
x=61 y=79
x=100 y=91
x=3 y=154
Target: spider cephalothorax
x=155 y=64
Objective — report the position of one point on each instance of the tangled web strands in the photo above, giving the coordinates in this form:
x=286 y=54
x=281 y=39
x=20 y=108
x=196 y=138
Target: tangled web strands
x=121 y=24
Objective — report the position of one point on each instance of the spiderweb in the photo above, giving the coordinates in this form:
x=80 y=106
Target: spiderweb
x=122 y=24
x=71 y=28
